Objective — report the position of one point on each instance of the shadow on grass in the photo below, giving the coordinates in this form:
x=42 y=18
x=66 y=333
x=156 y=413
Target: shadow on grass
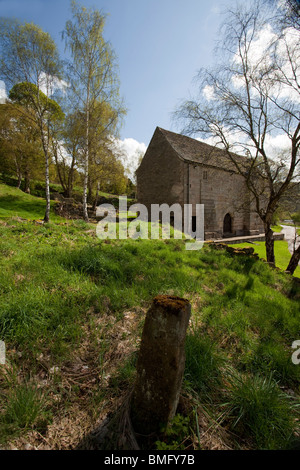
x=23 y=206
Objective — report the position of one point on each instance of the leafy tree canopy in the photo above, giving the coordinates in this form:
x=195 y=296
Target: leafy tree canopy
x=29 y=95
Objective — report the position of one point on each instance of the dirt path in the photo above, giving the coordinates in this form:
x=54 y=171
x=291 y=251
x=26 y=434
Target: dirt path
x=289 y=235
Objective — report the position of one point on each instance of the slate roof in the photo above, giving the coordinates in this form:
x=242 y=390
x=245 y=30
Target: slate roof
x=195 y=151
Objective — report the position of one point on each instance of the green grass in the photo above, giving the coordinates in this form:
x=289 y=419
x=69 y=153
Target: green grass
x=276 y=228
x=24 y=406
x=64 y=296
x=203 y=363
x=16 y=203
x=282 y=254
x=37 y=187
x=258 y=409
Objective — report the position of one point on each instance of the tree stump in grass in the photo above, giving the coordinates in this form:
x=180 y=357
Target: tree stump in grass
x=160 y=364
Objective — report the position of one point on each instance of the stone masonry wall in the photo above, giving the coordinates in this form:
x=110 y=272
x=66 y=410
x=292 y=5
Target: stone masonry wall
x=222 y=193
x=165 y=178
x=160 y=175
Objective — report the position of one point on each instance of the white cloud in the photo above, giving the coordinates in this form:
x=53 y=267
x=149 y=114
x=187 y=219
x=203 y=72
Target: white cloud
x=283 y=80
x=209 y=92
x=49 y=85
x=277 y=147
x=62 y=153
x=130 y=152
x=286 y=76
x=237 y=141
x=238 y=81
x=3 y=95
x=259 y=47
x=289 y=52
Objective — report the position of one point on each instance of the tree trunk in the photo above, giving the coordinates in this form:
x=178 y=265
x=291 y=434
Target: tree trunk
x=19 y=180
x=69 y=191
x=294 y=261
x=86 y=160
x=90 y=191
x=85 y=188
x=47 y=179
x=269 y=244
x=47 y=189
x=61 y=180
x=96 y=197
x=27 y=182
x=71 y=178
x=45 y=143
x=19 y=174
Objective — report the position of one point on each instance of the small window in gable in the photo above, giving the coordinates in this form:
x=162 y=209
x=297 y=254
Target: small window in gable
x=204 y=174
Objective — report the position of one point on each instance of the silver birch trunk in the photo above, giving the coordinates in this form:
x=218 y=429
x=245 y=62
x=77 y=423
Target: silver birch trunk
x=47 y=189
x=86 y=161
x=47 y=178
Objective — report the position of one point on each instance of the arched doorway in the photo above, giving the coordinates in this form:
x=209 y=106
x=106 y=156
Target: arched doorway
x=227 y=224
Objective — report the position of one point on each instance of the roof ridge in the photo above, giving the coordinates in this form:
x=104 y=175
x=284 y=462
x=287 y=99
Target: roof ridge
x=197 y=151
x=201 y=142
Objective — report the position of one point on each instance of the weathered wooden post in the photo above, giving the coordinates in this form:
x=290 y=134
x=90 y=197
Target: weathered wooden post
x=160 y=364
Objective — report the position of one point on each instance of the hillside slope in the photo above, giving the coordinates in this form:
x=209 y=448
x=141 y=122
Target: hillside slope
x=16 y=203
x=72 y=310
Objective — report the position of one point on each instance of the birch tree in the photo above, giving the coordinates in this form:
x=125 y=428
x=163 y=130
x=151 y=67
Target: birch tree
x=92 y=75
x=248 y=103
x=29 y=57
x=44 y=112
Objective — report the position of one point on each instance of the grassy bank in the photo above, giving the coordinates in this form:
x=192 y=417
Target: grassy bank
x=282 y=254
x=69 y=301
x=16 y=203
x=72 y=309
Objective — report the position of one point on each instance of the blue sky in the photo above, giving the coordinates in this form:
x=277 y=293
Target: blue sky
x=160 y=45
